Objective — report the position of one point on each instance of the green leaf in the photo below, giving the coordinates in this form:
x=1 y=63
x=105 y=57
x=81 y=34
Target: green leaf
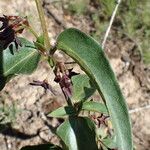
x=14 y=62
x=40 y=39
x=40 y=47
x=95 y=106
x=42 y=147
x=110 y=142
x=78 y=133
x=62 y=112
x=90 y=56
x=39 y=44
x=101 y=132
x=82 y=88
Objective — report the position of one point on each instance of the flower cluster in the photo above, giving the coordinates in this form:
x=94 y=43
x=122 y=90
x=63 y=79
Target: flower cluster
x=11 y=26
x=63 y=77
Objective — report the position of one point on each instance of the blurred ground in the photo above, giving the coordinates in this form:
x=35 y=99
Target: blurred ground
x=31 y=125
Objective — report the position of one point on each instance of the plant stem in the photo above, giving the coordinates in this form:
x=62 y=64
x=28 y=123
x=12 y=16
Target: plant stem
x=32 y=31
x=29 y=28
x=43 y=24
x=69 y=102
x=111 y=22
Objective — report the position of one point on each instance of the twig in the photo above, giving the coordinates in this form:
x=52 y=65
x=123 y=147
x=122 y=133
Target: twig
x=43 y=23
x=139 y=109
x=110 y=24
x=32 y=31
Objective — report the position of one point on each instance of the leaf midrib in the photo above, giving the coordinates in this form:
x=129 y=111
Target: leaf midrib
x=9 y=70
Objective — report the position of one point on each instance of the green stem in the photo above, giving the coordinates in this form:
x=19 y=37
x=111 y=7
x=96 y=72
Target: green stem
x=29 y=28
x=43 y=24
x=32 y=31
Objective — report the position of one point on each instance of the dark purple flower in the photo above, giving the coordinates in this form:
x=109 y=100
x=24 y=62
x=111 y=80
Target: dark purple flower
x=11 y=26
x=43 y=84
x=64 y=80
x=99 y=120
x=71 y=73
x=66 y=85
